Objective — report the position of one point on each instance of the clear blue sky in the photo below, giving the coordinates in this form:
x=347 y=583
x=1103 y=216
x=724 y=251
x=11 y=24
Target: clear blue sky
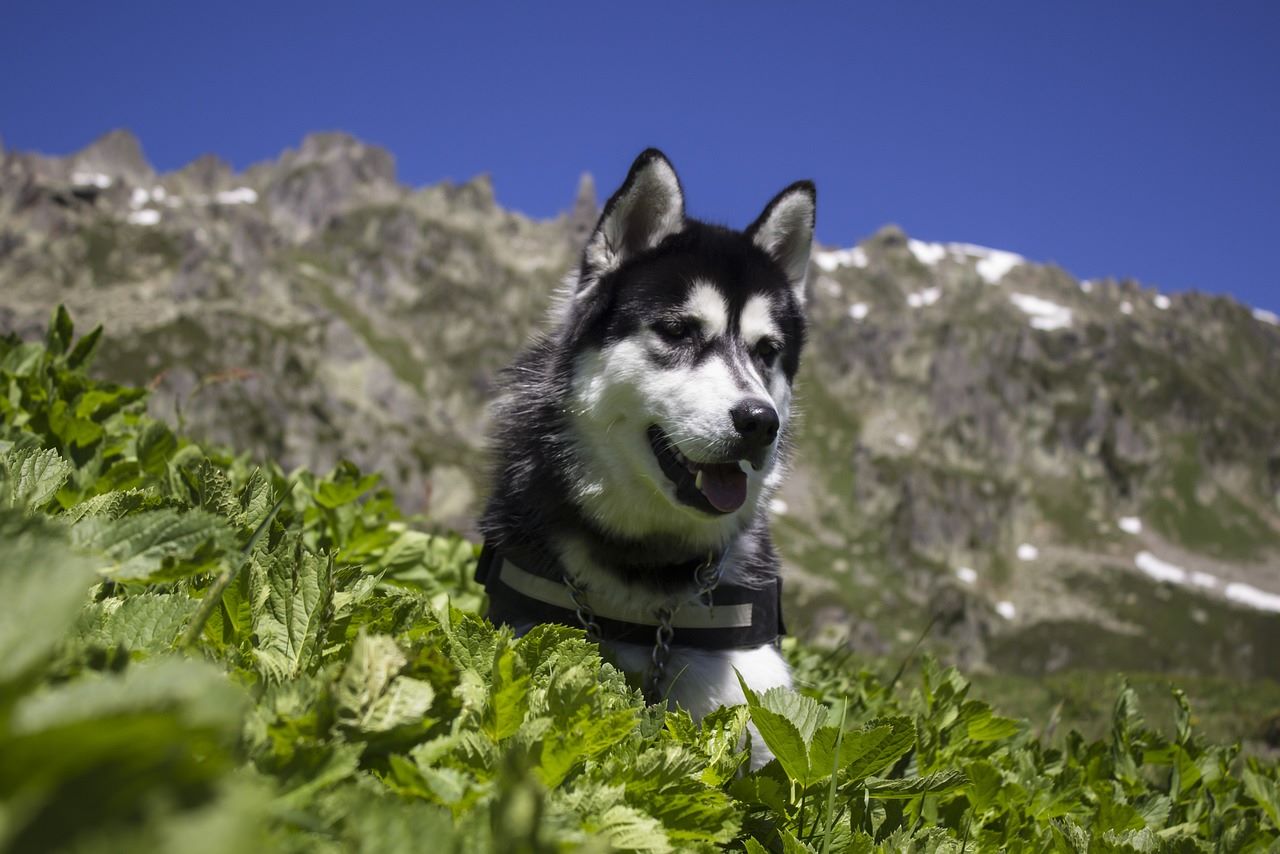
x=1137 y=138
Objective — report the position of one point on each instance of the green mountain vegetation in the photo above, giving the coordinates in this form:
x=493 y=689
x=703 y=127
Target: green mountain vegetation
x=1063 y=479
x=202 y=652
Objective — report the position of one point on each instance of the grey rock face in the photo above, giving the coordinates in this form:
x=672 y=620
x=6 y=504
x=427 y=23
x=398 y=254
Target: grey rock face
x=984 y=439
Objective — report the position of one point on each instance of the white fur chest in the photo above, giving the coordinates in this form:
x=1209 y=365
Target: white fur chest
x=702 y=680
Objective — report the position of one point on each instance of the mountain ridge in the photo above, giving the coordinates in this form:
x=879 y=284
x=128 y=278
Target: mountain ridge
x=976 y=425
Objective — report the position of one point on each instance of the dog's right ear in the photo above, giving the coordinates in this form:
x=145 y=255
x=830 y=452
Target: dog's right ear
x=648 y=207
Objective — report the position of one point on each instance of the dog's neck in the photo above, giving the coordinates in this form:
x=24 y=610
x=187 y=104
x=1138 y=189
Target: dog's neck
x=651 y=572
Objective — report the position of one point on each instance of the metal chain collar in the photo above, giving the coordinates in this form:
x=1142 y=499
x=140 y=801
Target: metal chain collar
x=706 y=577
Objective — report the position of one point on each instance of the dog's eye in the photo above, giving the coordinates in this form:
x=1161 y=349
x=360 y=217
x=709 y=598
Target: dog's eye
x=676 y=329
x=767 y=351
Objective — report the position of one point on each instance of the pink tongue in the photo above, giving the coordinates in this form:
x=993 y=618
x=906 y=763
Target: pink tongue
x=725 y=486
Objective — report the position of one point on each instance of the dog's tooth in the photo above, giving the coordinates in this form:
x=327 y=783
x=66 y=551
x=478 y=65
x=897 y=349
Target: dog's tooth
x=697 y=481
x=745 y=466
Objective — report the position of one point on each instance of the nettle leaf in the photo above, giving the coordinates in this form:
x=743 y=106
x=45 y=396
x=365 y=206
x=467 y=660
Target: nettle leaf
x=111 y=505
x=61 y=330
x=987 y=726
x=509 y=700
x=909 y=787
x=197 y=693
x=31 y=477
x=720 y=736
x=147 y=622
x=630 y=829
x=792 y=845
x=70 y=429
x=372 y=696
x=43 y=585
x=92 y=759
x=256 y=499
x=785 y=740
x=344 y=486
x=831 y=752
x=786 y=721
x=294 y=588
x=1266 y=792
x=154 y=545
x=881 y=750
x=154 y=446
x=82 y=353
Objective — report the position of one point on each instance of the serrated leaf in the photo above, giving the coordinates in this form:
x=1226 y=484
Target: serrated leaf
x=1266 y=792
x=786 y=721
x=372 y=696
x=197 y=692
x=784 y=740
x=154 y=445
x=509 y=700
x=879 y=749
x=871 y=745
x=909 y=787
x=31 y=477
x=82 y=353
x=61 y=331
x=289 y=621
x=992 y=727
x=144 y=623
x=630 y=829
x=804 y=712
x=152 y=544
x=792 y=845
x=42 y=587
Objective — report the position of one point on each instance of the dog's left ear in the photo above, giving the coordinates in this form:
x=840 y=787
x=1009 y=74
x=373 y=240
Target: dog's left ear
x=785 y=231
x=648 y=207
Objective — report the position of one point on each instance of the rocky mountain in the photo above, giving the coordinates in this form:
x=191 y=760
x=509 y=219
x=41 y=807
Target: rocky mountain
x=1046 y=474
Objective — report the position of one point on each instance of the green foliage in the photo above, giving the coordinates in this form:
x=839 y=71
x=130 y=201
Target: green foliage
x=200 y=653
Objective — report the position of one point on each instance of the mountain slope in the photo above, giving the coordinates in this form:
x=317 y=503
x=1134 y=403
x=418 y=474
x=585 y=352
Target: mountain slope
x=1060 y=474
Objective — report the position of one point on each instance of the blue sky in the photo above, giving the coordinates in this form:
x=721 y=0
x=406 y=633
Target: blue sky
x=1137 y=138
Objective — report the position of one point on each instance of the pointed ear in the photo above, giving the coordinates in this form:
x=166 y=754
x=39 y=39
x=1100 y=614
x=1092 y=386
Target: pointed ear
x=647 y=207
x=785 y=231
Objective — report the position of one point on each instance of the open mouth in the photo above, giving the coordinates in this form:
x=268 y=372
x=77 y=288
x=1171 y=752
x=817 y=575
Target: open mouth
x=712 y=487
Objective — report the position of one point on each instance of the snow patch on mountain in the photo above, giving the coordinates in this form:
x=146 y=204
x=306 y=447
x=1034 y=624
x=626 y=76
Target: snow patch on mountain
x=238 y=196
x=927 y=253
x=148 y=216
x=1249 y=595
x=91 y=179
x=831 y=260
x=1043 y=313
x=926 y=297
x=1159 y=569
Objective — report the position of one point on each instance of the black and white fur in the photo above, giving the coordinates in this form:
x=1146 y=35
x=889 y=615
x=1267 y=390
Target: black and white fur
x=674 y=324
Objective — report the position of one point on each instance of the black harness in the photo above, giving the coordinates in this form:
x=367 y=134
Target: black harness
x=527 y=586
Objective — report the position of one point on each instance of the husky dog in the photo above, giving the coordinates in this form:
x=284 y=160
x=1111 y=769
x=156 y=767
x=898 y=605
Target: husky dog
x=638 y=440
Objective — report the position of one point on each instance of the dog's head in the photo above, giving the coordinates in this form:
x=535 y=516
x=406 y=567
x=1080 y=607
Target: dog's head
x=685 y=338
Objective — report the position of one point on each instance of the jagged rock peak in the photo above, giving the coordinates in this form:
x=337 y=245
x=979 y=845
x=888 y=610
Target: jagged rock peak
x=582 y=217
x=117 y=154
x=207 y=173
x=370 y=161
x=890 y=235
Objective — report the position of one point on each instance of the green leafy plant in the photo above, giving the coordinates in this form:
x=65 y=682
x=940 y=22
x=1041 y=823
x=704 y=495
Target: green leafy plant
x=202 y=652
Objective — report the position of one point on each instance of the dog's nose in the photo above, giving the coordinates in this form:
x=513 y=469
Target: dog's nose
x=756 y=421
